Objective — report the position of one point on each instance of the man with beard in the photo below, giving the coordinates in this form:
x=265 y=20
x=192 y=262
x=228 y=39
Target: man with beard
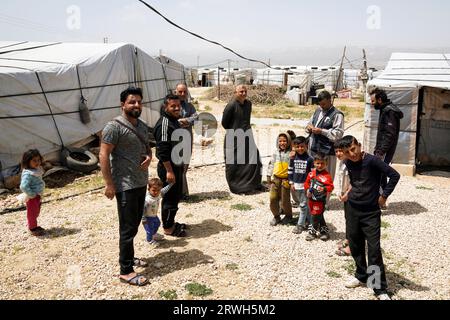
x=188 y=116
x=388 y=128
x=124 y=160
x=326 y=126
x=170 y=168
x=242 y=163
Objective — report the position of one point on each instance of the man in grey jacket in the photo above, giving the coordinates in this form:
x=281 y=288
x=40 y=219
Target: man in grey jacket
x=326 y=126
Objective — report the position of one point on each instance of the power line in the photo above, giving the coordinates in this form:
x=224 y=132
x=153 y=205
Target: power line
x=200 y=37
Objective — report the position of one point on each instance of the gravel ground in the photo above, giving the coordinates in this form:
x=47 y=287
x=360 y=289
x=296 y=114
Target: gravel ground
x=235 y=253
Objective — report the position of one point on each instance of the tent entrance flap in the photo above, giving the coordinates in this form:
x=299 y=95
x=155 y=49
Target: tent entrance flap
x=434 y=138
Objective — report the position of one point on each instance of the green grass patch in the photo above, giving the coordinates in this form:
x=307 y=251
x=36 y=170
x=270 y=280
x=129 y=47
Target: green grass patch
x=385 y=224
x=248 y=239
x=424 y=188
x=241 y=207
x=195 y=199
x=189 y=215
x=225 y=198
x=350 y=267
x=168 y=295
x=208 y=108
x=198 y=290
x=9 y=222
x=232 y=266
x=139 y=296
x=288 y=110
x=333 y=274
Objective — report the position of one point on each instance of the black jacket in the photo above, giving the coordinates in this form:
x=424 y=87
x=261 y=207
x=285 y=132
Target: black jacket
x=388 y=129
x=163 y=130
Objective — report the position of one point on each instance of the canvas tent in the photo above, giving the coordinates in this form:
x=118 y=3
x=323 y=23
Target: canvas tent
x=41 y=85
x=420 y=85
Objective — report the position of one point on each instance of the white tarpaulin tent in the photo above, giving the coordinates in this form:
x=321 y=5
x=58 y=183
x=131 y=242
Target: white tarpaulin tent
x=41 y=85
x=419 y=84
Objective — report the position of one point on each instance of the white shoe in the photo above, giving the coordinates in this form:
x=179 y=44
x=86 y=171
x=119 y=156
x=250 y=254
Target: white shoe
x=354 y=283
x=383 y=296
x=158 y=237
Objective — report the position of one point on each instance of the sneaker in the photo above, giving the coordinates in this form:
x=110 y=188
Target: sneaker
x=383 y=296
x=287 y=220
x=311 y=235
x=298 y=229
x=158 y=237
x=354 y=283
x=324 y=234
x=154 y=243
x=275 y=221
x=38 y=232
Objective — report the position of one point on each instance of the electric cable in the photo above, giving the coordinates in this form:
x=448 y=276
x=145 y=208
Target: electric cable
x=200 y=37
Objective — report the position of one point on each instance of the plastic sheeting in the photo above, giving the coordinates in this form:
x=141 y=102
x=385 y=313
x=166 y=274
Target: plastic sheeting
x=104 y=70
x=407 y=100
x=434 y=142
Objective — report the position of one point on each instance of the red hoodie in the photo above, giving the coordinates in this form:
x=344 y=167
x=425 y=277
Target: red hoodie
x=313 y=181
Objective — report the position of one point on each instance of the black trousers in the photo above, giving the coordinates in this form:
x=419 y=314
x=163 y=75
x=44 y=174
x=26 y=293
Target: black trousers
x=318 y=222
x=130 y=206
x=387 y=159
x=172 y=197
x=362 y=227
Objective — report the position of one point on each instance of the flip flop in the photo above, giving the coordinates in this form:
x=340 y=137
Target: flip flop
x=138 y=280
x=341 y=252
x=139 y=263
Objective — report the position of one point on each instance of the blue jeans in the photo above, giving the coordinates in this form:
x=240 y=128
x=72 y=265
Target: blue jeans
x=151 y=225
x=304 y=210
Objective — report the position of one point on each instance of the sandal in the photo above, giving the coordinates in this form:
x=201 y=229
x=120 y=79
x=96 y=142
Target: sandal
x=181 y=225
x=342 y=253
x=178 y=231
x=138 y=280
x=139 y=263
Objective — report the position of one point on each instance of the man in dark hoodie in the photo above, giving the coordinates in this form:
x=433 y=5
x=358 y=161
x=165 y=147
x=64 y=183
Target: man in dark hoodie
x=170 y=170
x=388 y=128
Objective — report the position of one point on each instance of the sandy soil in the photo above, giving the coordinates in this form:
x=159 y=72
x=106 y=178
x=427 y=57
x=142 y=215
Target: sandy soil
x=235 y=253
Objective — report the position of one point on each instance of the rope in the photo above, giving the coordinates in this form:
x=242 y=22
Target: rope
x=76 y=89
x=165 y=78
x=9 y=210
x=37 y=47
x=71 y=112
x=50 y=109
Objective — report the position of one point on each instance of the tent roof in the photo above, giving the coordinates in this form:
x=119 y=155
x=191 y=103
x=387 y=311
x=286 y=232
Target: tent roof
x=416 y=70
x=25 y=56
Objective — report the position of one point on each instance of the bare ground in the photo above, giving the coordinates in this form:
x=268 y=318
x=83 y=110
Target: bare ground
x=234 y=253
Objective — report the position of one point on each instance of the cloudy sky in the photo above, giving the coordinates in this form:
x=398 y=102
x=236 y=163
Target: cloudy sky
x=284 y=31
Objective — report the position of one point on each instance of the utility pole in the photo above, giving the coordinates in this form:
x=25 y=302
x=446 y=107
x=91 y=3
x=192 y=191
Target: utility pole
x=340 y=73
x=218 y=82
x=364 y=74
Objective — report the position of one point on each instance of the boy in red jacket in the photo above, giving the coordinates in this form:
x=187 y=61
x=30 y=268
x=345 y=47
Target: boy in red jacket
x=318 y=185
